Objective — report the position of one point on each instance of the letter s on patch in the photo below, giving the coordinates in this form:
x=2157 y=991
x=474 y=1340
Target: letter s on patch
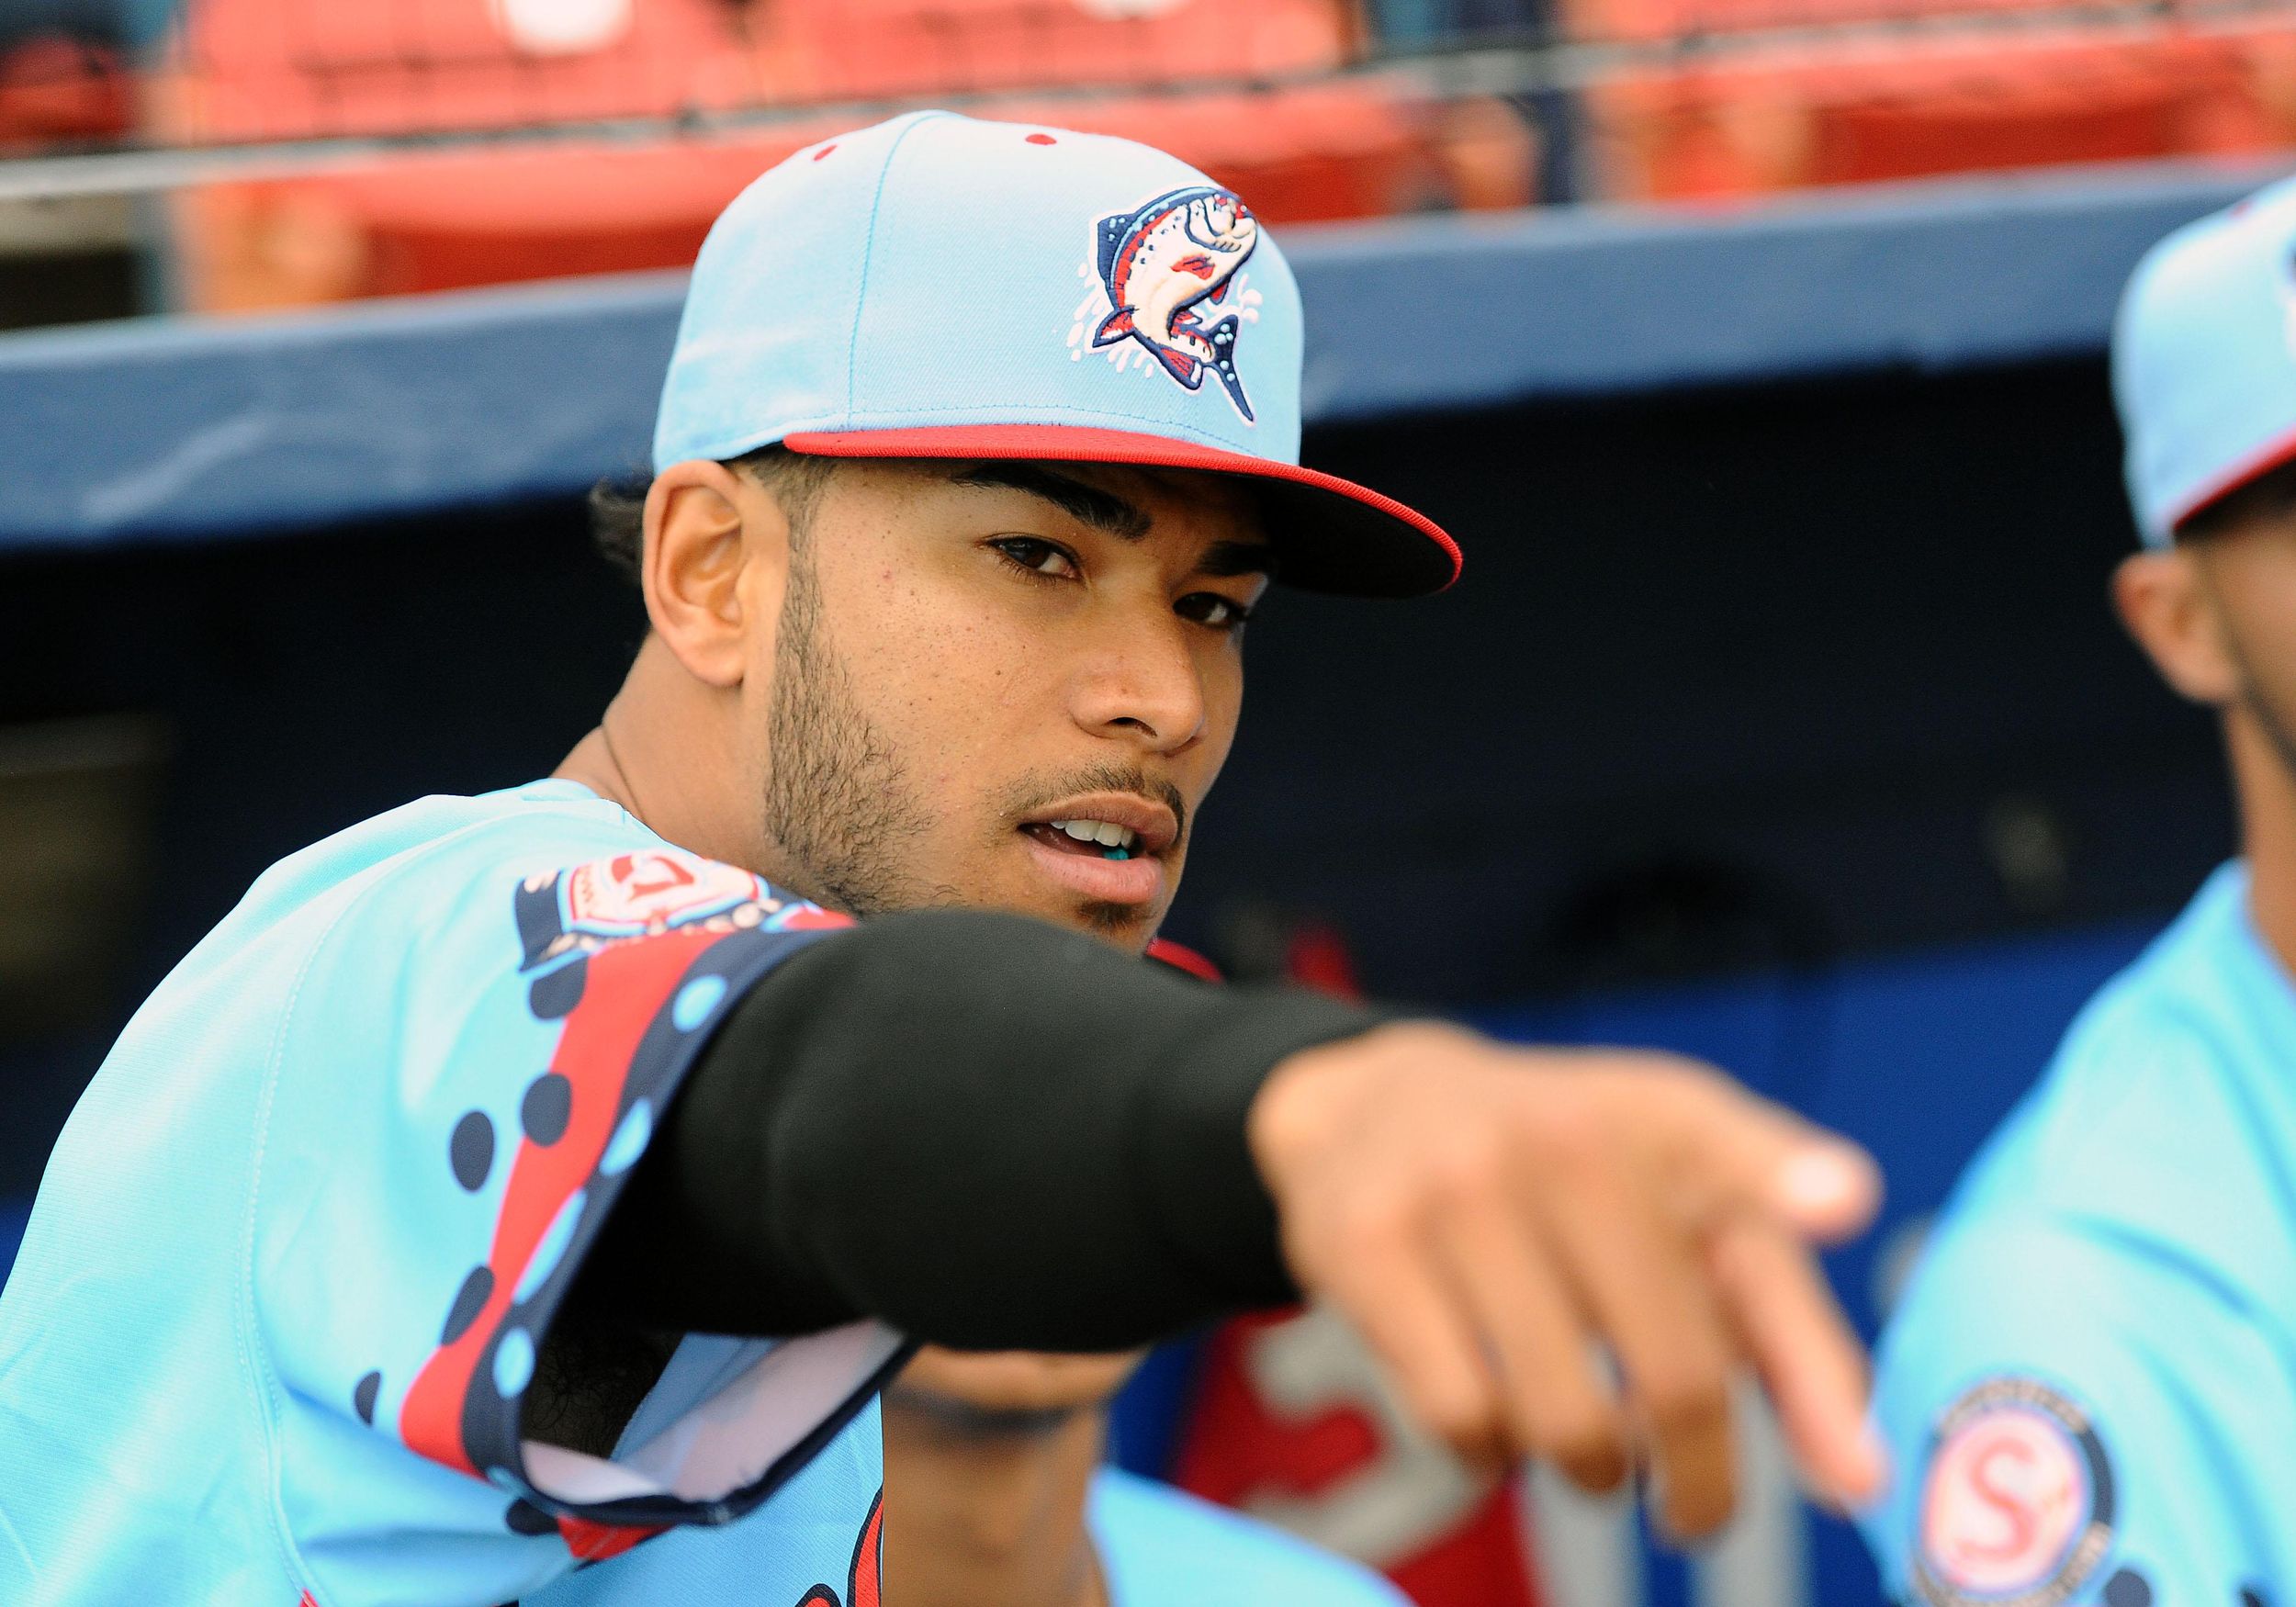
x=2017 y=1505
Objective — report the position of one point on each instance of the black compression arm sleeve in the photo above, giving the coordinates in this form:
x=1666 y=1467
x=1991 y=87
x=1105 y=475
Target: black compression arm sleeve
x=987 y=1131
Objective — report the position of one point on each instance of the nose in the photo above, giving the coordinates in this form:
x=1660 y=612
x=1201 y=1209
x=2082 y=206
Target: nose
x=1143 y=687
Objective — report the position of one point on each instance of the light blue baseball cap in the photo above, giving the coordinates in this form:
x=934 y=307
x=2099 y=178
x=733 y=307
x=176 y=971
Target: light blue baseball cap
x=941 y=287
x=2204 y=360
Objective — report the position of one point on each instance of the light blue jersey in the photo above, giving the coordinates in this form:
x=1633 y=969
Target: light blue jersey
x=284 y=1287
x=1158 y=1547
x=1162 y=1548
x=2090 y=1386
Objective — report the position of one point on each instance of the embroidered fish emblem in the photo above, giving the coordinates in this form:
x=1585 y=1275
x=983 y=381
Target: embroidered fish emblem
x=1163 y=261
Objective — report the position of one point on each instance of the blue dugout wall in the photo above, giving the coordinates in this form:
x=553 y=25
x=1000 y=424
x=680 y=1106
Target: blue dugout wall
x=1784 y=618
x=149 y=430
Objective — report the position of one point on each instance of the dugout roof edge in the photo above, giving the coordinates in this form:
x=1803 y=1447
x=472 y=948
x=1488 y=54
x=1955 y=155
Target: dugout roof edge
x=159 y=428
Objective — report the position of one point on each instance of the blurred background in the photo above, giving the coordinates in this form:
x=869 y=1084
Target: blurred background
x=1753 y=348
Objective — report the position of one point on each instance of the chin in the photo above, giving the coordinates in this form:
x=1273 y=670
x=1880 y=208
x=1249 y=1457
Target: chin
x=1125 y=926
x=1017 y=1380
x=1128 y=925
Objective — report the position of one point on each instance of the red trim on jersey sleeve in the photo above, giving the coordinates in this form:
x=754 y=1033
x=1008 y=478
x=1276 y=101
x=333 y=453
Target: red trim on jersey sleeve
x=627 y=986
x=596 y=1542
x=865 y=1586
x=1180 y=956
x=865 y=1581
x=811 y=919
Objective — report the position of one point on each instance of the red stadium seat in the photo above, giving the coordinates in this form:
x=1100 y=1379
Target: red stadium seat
x=283 y=68
x=287 y=69
x=1304 y=151
x=2098 y=110
x=54 y=89
x=1322 y=152
x=445 y=221
x=1940 y=105
x=450 y=221
x=1664 y=19
x=822 y=49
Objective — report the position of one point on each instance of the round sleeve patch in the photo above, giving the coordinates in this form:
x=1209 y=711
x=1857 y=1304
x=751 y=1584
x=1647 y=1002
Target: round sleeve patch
x=2017 y=1505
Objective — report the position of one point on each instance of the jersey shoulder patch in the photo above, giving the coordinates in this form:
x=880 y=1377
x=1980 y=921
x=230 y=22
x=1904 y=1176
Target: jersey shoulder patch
x=2016 y=1502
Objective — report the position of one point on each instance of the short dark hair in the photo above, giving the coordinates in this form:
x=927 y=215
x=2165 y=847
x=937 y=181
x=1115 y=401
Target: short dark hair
x=2272 y=495
x=617 y=504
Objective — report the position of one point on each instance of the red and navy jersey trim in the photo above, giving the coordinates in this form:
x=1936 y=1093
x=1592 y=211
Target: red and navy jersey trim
x=637 y=957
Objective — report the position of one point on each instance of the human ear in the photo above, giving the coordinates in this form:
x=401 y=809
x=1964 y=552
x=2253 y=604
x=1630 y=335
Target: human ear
x=2164 y=600
x=704 y=527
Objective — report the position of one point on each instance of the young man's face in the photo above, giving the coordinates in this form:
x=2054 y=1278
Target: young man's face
x=969 y=653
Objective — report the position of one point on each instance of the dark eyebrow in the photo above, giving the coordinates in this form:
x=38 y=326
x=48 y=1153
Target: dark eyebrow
x=1224 y=559
x=1090 y=505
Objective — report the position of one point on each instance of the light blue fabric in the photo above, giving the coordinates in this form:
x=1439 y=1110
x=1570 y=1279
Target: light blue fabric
x=287 y=1273
x=937 y=270
x=2114 y=1289
x=815 y=1544
x=1159 y=1547
x=2204 y=358
x=1165 y=1548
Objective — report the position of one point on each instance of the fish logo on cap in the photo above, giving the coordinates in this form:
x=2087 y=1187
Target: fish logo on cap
x=1160 y=263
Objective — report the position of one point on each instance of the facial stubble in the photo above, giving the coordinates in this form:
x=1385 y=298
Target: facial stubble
x=838 y=798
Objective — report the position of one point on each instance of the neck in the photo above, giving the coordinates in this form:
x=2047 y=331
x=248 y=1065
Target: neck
x=659 y=753
x=2265 y=784
x=979 y=1510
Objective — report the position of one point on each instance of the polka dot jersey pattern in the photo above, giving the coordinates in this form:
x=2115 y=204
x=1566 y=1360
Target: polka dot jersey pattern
x=284 y=1290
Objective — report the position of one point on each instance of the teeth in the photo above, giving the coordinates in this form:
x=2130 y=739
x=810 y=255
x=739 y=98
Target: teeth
x=1107 y=834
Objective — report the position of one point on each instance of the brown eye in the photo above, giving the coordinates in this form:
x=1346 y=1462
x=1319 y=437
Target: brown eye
x=1209 y=608
x=1039 y=557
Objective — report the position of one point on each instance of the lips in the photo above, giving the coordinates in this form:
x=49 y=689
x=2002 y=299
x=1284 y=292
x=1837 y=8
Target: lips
x=1153 y=824
x=1095 y=839
x=1068 y=850
x=1140 y=882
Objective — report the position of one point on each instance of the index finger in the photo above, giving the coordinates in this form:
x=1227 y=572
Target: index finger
x=1733 y=1151
x=1810 y=1362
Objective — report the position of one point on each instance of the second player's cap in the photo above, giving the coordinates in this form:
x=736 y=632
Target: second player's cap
x=940 y=286
x=2204 y=360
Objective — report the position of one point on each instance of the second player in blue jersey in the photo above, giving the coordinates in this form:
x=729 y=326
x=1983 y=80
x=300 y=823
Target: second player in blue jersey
x=2091 y=1381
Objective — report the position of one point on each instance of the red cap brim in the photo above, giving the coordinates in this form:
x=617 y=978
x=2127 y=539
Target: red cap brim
x=2276 y=453
x=1333 y=534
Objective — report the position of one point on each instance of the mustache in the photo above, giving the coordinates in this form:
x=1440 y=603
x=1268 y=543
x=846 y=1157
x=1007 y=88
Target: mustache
x=1038 y=791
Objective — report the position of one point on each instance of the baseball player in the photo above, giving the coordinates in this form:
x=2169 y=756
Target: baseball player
x=2092 y=1377
x=802 y=1007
